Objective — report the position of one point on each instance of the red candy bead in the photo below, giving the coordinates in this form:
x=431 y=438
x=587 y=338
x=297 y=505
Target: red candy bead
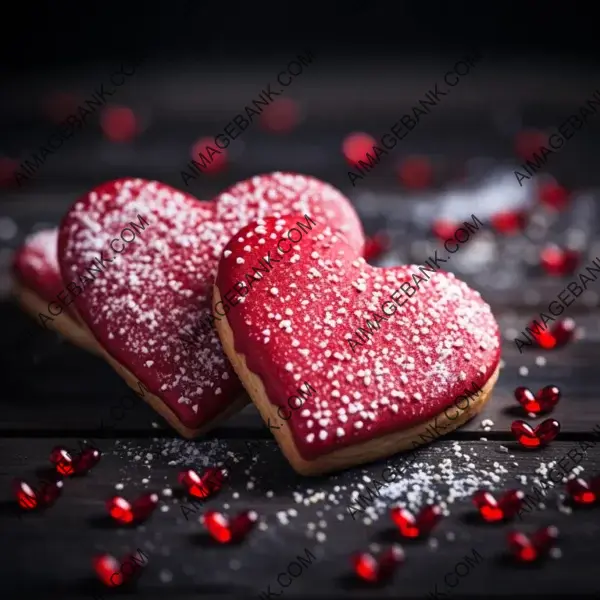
x=144 y=506
x=412 y=527
x=543 y=434
x=563 y=331
x=119 y=123
x=226 y=530
x=509 y=222
x=415 y=172
x=25 y=495
x=215 y=163
x=529 y=549
x=544 y=401
x=119 y=509
x=281 y=116
x=492 y=510
x=559 y=262
x=48 y=492
x=107 y=569
x=375 y=246
x=583 y=492
x=374 y=570
x=529 y=141
x=356 y=146
x=553 y=196
x=87 y=459
x=443 y=229
x=62 y=460
x=205 y=485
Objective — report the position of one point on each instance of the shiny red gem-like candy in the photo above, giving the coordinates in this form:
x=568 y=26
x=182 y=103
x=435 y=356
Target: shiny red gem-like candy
x=414 y=527
x=26 y=496
x=375 y=246
x=544 y=401
x=30 y=499
x=583 y=492
x=375 y=570
x=543 y=434
x=356 y=146
x=492 y=510
x=125 y=512
x=559 y=335
x=62 y=461
x=415 y=172
x=120 y=509
x=144 y=506
x=509 y=222
x=202 y=486
x=531 y=548
x=559 y=262
x=553 y=196
x=226 y=530
x=87 y=459
x=107 y=569
x=48 y=492
x=443 y=229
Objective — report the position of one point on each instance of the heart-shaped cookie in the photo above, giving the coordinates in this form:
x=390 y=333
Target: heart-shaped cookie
x=37 y=282
x=141 y=258
x=348 y=362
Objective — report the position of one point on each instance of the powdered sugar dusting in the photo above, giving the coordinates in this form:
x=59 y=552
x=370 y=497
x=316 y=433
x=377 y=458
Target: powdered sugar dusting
x=160 y=285
x=406 y=371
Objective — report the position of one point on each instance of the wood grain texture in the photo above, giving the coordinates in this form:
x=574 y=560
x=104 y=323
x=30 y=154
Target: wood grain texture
x=57 y=546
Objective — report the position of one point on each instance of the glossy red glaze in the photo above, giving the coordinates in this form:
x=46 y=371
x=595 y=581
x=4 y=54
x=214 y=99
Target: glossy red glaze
x=26 y=496
x=356 y=146
x=492 y=510
x=581 y=491
x=144 y=506
x=62 y=461
x=87 y=460
x=375 y=246
x=553 y=196
x=226 y=530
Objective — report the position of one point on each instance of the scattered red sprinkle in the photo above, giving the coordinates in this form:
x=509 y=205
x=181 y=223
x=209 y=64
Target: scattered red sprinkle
x=542 y=435
x=509 y=222
x=544 y=401
x=492 y=510
x=375 y=246
x=528 y=142
x=87 y=460
x=559 y=262
x=144 y=506
x=30 y=499
x=202 y=486
x=356 y=146
x=529 y=549
x=119 y=123
x=444 y=229
x=416 y=172
x=119 y=509
x=62 y=461
x=214 y=162
x=582 y=492
x=25 y=494
x=226 y=530
x=562 y=333
x=553 y=196
x=373 y=570
x=414 y=527
x=281 y=116
x=107 y=569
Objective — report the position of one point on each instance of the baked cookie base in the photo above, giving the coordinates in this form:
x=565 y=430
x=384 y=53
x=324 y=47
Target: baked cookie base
x=64 y=324
x=158 y=405
x=358 y=454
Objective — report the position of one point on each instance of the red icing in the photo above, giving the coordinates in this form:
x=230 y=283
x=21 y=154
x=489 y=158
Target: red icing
x=160 y=285
x=294 y=323
x=36 y=265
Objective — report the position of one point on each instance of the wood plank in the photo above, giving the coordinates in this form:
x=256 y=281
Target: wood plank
x=57 y=546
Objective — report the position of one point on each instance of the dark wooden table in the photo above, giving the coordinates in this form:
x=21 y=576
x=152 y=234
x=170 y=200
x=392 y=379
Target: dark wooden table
x=55 y=394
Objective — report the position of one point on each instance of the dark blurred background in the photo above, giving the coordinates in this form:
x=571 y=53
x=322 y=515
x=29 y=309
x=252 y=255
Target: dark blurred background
x=205 y=61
